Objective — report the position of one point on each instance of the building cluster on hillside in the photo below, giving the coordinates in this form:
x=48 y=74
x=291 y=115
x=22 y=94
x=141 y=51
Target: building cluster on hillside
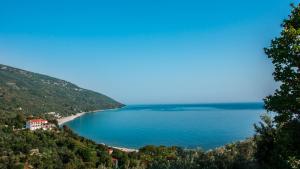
x=35 y=124
x=56 y=115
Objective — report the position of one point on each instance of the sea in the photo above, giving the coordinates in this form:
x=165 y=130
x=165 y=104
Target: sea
x=204 y=126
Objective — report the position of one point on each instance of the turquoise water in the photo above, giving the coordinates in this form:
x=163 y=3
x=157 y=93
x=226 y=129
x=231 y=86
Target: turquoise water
x=190 y=126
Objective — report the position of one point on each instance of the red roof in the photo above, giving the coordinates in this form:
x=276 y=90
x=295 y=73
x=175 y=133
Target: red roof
x=37 y=121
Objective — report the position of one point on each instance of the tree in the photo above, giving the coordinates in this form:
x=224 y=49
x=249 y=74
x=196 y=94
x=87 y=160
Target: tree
x=20 y=120
x=278 y=140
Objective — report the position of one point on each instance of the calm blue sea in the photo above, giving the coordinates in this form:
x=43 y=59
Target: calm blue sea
x=190 y=126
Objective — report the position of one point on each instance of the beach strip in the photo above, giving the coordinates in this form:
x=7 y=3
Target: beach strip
x=124 y=149
x=127 y=150
x=63 y=120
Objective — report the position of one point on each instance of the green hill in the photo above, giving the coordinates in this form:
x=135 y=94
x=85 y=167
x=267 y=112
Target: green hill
x=36 y=94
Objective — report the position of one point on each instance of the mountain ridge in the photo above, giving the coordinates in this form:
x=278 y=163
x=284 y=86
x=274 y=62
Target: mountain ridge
x=36 y=94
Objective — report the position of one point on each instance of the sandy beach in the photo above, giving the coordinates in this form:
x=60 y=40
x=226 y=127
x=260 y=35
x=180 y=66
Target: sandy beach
x=69 y=118
x=124 y=149
x=127 y=150
x=72 y=117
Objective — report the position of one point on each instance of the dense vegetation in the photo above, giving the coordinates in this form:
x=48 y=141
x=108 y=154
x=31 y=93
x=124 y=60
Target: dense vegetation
x=276 y=144
x=61 y=148
x=278 y=139
x=37 y=94
x=49 y=149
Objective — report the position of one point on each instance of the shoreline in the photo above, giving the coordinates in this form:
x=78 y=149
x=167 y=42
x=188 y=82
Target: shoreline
x=63 y=120
x=66 y=119
x=124 y=149
x=127 y=150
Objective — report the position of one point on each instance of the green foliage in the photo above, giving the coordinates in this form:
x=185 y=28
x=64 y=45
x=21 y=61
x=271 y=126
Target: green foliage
x=278 y=141
x=239 y=156
x=37 y=94
x=49 y=149
x=62 y=148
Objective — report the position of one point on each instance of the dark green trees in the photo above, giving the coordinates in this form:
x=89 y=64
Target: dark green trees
x=36 y=94
x=278 y=140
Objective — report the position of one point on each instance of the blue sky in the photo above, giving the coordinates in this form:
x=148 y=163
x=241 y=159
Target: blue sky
x=147 y=51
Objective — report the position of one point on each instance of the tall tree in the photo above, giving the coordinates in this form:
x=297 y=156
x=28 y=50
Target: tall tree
x=278 y=139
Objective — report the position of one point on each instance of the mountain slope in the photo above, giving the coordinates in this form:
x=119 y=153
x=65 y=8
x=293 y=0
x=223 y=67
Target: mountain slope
x=36 y=94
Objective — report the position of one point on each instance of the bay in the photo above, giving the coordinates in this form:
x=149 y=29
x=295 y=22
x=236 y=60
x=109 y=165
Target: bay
x=204 y=126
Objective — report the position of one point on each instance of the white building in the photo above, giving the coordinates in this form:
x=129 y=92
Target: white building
x=56 y=115
x=37 y=124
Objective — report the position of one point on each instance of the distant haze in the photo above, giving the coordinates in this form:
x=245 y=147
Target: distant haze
x=147 y=51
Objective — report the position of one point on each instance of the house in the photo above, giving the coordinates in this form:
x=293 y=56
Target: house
x=48 y=126
x=34 y=124
x=56 y=115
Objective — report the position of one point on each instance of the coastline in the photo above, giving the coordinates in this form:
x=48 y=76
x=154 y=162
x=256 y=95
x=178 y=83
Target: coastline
x=66 y=119
x=121 y=147
x=127 y=150
x=124 y=149
x=63 y=120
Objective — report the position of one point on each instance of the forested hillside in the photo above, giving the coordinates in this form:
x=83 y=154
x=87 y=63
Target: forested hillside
x=36 y=94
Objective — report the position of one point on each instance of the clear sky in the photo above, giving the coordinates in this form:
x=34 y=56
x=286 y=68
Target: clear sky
x=147 y=51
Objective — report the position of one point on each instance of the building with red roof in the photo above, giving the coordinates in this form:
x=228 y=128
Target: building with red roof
x=35 y=124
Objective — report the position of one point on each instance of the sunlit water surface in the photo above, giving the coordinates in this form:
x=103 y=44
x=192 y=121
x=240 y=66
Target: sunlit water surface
x=190 y=126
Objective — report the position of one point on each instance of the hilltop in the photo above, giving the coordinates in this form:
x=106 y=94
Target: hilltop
x=36 y=94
